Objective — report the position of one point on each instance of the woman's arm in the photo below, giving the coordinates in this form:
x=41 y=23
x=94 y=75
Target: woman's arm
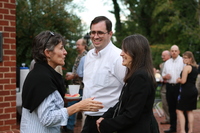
x=51 y=111
x=85 y=105
x=186 y=70
x=110 y=112
x=139 y=89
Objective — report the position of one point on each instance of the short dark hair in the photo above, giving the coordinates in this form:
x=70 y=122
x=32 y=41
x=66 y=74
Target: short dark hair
x=102 y=18
x=39 y=44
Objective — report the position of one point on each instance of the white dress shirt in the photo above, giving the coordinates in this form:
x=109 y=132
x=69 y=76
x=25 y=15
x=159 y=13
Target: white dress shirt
x=103 y=77
x=47 y=118
x=174 y=68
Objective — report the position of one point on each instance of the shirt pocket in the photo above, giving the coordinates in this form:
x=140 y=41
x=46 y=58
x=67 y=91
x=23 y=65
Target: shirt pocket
x=101 y=79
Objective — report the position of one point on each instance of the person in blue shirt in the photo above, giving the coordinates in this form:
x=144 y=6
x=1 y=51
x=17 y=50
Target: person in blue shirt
x=81 y=67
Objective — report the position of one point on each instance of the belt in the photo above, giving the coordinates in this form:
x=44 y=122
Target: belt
x=93 y=117
x=173 y=84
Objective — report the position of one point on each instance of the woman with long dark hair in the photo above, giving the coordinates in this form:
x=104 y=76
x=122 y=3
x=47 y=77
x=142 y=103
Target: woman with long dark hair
x=133 y=113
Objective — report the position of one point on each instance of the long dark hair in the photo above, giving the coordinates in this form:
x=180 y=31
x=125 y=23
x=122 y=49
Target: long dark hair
x=137 y=46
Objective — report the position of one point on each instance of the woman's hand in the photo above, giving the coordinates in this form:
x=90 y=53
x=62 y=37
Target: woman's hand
x=69 y=76
x=167 y=77
x=98 y=122
x=90 y=105
x=85 y=105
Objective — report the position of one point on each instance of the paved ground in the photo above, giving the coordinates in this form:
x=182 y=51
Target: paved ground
x=166 y=126
x=159 y=119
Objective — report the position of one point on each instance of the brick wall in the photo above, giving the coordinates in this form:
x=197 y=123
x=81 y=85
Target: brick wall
x=8 y=67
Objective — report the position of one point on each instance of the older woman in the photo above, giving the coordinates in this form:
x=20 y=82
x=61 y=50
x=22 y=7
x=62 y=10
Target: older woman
x=43 y=91
x=133 y=113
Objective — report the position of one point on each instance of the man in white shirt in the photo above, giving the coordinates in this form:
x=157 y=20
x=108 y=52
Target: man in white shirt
x=103 y=71
x=170 y=73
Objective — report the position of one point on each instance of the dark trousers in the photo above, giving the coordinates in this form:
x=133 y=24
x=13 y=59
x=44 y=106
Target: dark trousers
x=90 y=124
x=172 y=95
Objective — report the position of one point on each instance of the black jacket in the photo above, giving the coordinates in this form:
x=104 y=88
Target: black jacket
x=135 y=114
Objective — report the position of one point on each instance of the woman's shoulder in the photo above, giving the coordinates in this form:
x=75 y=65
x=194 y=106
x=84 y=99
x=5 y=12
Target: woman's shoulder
x=188 y=67
x=141 y=77
x=140 y=72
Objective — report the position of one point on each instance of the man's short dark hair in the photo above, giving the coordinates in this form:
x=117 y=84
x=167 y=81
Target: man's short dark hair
x=102 y=18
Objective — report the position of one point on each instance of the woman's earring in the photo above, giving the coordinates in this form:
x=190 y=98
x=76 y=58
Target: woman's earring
x=48 y=58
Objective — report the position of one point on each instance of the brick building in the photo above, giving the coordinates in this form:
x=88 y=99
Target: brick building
x=8 y=66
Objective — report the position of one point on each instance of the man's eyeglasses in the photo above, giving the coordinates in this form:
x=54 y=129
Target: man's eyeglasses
x=99 y=33
x=51 y=34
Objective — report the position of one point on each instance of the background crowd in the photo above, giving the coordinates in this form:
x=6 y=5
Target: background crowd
x=179 y=80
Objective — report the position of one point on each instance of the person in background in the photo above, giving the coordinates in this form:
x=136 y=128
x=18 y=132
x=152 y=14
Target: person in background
x=103 y=71
x=81 y=47
x=32 y=64
x=198 y=82
x=157 y=75
x=79 y=71
x=80 y=74
x=43 y=93
x=81 y=67
x=165 y=56
x=133 y=113
x=187 y=100
x=170 y=73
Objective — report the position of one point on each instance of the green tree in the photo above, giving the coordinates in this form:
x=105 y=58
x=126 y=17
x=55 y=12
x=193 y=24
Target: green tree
x=156 y=51
x=163 y=22
x=179 y=23
x=140 y=17
x=34 y=16
x=118 y=26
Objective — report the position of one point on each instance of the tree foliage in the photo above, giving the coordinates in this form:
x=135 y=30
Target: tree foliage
x=163 y=22
x=34 y=16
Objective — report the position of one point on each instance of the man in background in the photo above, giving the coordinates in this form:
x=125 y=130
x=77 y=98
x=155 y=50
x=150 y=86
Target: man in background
x=170 y=73
x=81 y=47
x=198 y=81
x=165 y=56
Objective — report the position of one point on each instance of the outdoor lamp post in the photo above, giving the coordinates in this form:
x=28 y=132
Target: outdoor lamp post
x=87 y=37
